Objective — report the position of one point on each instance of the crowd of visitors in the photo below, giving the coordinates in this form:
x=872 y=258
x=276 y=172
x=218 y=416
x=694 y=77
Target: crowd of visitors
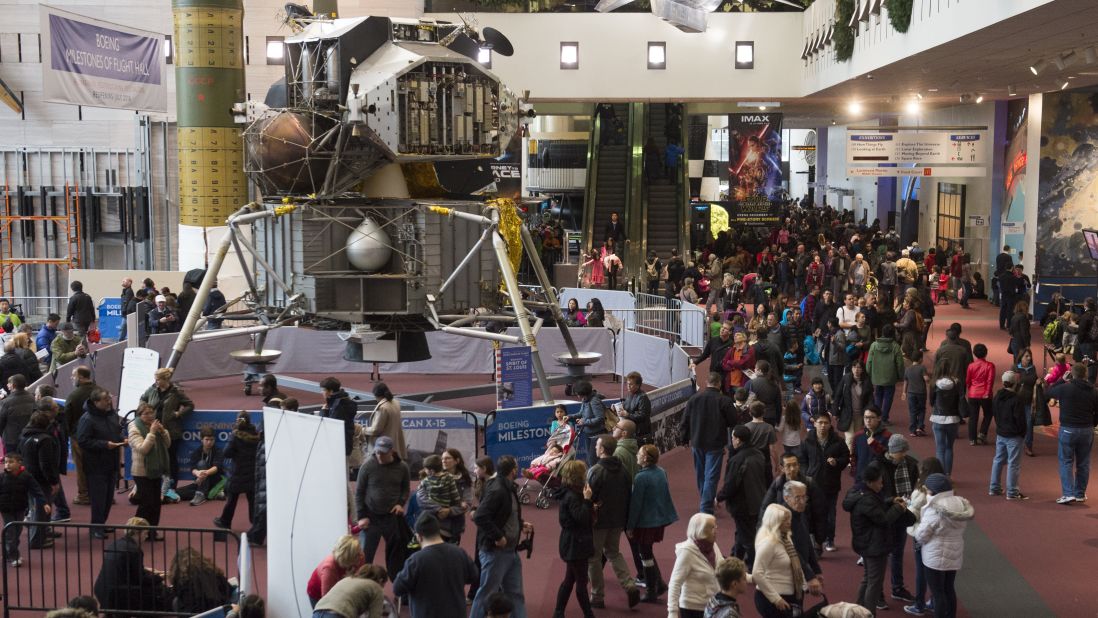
x=818 y=326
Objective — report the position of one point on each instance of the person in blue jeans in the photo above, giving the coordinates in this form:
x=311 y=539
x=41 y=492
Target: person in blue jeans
x=1027 y=386
x=927 y=466
x=499 y=530
x=705 y=423
x=1010 y=430
x=916 y=383
x=1078 y=417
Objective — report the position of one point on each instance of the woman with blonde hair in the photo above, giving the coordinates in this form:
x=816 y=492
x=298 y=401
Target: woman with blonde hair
x=23 y=348
x=779 y=580
x=344 y=560
x=694 y=578
x=149 y=445
x=171 y=405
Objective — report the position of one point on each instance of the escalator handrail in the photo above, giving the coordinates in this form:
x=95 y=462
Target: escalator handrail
x=591 y=182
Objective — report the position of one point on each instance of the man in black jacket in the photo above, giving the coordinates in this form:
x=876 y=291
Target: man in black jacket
x=824 y=456
x=15 y=412
x=638 y=407
x=715 y=349
x=99 y=435
x=744 y=487
x=1010 y=431
x=381 y=492
x=83 y=387
x=1078 y=418
x=339 y=405
x=144 y=306
x=705 y=424
x=81 y=309
x=901 y=473
x=611 y=488
x=39 y=451
x=813 y=511
x=1087 y=345
x=499 y=529
x=872 y=520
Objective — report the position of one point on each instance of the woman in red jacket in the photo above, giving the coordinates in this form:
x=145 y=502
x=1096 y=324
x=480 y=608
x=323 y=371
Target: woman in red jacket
x=981 y=384
x=344 y=560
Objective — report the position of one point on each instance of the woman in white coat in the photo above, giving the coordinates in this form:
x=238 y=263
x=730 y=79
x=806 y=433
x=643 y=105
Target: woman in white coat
x=694 y=578
x=779 y=580
x=941 y=534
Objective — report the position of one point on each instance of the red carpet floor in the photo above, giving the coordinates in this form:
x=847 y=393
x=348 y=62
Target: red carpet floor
x=1032 y=558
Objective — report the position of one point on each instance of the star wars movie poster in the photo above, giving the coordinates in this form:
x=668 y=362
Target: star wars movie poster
x=754 y=155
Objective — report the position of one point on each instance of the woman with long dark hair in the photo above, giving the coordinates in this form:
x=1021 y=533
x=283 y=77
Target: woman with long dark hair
x=576 y=545
x=1027 y=391
x=241 y=450
x=1020 y=336
x=596 y=315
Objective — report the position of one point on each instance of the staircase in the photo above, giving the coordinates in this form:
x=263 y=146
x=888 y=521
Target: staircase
x=611 y=179
x=663 y=194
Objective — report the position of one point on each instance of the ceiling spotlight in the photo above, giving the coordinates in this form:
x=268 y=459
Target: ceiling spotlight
x=1065 y=85
x=913 y=108
x=1090 y=55
x=919 y=96
x=966 y=98
x=1058 y=62
x=979 y=99
x=855 y=108
x=1038 y=67
x=1011 y=91
x=762 y=108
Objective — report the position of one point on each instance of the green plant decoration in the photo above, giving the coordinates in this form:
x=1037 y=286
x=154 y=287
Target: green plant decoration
x=899 y=13
x=843 y=37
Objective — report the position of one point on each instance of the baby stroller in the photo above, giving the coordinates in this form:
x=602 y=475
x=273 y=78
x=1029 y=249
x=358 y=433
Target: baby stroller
x=565 y=436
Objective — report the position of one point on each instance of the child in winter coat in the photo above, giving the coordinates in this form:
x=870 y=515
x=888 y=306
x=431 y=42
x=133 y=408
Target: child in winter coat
x=17 y=489
x=1058 y=370
x=814 y=402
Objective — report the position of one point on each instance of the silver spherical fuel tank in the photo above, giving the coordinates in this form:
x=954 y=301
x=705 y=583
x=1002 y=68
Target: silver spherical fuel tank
x=369 y=247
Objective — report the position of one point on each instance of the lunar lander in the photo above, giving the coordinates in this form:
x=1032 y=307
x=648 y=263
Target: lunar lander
x=379 y=126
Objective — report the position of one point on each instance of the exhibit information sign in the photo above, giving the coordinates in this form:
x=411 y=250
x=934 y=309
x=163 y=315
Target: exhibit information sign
x=139 y=367
x=919 y=148
x=513 y=376
x=91 y=62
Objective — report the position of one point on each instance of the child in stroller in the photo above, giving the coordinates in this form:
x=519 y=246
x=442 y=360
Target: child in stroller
x=545 y=469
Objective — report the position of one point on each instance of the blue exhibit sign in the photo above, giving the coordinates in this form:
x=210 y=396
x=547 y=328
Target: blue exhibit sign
x=513 y=387
x=222 y=422
x=111 y=318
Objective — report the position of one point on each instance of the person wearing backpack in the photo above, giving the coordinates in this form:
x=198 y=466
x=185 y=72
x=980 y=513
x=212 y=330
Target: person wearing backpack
x=653 y=266
x=591 y=418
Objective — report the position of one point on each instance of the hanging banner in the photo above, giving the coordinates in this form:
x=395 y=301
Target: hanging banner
x=91 y=62
x=920 y=148
x=513 y=376
x=754 y=155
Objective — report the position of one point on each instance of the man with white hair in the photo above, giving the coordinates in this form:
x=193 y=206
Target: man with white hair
x=795 y=496
x=858 y=275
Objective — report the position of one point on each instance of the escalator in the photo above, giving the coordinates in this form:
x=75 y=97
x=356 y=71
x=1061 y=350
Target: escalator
x=663 y=194
x=608 y=171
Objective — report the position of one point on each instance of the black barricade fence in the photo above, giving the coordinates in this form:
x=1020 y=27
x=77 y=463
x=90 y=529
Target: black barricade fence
x=126 y=570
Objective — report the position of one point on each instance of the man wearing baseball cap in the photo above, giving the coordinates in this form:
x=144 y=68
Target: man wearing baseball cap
x=1010 y=430
x=163 y=318
x=382 y=490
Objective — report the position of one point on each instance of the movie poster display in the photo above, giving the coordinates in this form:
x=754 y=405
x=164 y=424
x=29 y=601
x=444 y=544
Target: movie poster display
x=754 y=155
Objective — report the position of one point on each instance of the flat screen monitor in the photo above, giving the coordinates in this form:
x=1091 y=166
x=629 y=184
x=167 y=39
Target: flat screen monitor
x=1091 y=236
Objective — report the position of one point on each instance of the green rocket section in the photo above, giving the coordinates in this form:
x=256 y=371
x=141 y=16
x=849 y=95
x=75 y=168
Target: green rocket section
x=209 y=79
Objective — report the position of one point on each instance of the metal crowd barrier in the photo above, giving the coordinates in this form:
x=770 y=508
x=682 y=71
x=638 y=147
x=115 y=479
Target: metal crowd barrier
x=49 y=578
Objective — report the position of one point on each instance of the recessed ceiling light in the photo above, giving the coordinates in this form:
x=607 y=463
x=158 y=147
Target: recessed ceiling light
x=1065 y=85
x=932 y=90
x=855 y=108
x=913 y=107
x=979 y=99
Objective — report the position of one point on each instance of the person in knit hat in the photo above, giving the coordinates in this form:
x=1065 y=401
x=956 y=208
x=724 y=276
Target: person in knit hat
x=1009 y=411
x=901 y=473
x=941 y=534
